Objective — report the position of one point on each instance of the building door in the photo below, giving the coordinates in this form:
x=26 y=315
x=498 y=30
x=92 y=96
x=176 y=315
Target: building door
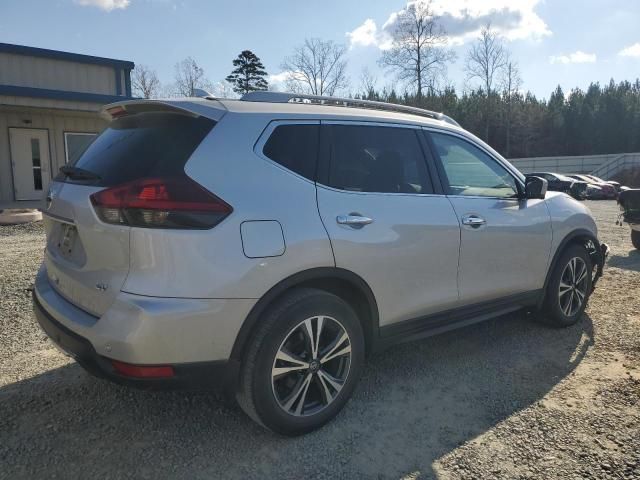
x=30 y=162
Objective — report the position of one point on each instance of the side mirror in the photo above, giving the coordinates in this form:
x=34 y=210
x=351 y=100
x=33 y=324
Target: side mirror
x=535 y=187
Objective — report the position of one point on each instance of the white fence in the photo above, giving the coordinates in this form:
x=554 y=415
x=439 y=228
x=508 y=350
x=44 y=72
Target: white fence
x=612 y=167
x=604 y=166
x=578 y=164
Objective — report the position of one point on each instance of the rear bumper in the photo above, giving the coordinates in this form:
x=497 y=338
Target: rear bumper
x=215 y=375
x=193 y=336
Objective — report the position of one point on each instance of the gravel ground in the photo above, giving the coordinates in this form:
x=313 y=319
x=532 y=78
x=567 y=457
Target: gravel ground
x=508 y=398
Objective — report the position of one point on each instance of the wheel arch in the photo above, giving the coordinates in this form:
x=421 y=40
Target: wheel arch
x=338 y=281
x=579 y=236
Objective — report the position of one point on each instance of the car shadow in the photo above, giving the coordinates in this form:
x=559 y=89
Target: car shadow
x=629 y=262
x=415 y=403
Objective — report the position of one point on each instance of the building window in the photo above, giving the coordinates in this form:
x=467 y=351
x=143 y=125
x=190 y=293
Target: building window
x=35 y=164
x=75 y=144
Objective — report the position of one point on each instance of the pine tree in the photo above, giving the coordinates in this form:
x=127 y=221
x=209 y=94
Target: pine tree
x=248 y=76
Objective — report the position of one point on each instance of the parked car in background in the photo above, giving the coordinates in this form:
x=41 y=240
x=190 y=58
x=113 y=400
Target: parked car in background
x=596 y=190
x=561 y=183
x=554 y=182
x=579 y=189
x=615 y=184
x=267 y=245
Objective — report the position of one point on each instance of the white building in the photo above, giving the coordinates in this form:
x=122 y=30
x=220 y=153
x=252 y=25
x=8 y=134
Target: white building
x=49 y=104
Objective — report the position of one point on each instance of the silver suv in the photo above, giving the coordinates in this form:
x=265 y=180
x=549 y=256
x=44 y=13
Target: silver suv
x=268 y=245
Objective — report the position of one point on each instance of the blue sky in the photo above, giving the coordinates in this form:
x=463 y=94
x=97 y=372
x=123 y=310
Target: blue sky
x=566 y=42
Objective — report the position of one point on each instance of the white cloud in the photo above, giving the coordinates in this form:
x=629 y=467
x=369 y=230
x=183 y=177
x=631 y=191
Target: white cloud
x=631 y=51
x=107 y=5
x=575 y=57
x=463 y=20
x=364 y=35
x=278 y=78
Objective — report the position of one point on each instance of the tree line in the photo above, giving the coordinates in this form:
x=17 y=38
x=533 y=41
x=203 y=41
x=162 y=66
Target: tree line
x=493 y=105
x=602 y=119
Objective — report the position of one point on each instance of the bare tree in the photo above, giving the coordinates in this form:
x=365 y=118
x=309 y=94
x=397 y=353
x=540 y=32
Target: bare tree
x=145 y=82
x=511 y=83
x=189 y=76
x=485 y=60
x=222 y=89
x=419 y=52
x=368 y=83
x=317 y=67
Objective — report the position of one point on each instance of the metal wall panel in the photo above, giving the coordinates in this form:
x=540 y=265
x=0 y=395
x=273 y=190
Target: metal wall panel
x=49 y=103
x=57 y=74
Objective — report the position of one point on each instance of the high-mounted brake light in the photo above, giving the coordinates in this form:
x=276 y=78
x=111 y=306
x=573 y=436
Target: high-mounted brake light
x=178 y=203
x=118 y=111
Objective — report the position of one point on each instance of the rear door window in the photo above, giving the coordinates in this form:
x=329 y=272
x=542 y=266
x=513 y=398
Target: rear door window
x=381 y=159
x=295 y=147
x=152 y=144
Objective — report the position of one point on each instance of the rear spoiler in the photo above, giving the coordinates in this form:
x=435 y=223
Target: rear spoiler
x=209 y=108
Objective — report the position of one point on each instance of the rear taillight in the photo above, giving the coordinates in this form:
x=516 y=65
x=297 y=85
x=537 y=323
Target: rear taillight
x=160 y=203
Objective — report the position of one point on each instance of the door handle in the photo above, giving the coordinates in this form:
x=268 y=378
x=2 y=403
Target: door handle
x=473 y=221
x=354 y=220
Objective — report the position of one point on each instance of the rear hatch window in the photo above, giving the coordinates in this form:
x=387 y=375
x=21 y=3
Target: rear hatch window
x=152 y=144
x=87 y=260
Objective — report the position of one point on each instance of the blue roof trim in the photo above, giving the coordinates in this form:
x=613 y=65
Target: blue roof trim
x=13 y=90
x=58 y=55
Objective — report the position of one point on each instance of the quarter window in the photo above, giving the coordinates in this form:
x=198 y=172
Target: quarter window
x=376 y=159
x=295 y=147
x=470 y=171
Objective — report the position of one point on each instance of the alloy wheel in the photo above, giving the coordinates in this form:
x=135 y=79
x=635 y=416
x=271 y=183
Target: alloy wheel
x=311 y=366
x=573 y=286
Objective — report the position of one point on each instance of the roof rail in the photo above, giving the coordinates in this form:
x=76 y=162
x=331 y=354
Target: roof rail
x=283 y=97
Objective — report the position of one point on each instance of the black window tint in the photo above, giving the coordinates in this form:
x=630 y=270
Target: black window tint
x=143 y=145
x=470 y=171
x=377 y=159
x=294 y=147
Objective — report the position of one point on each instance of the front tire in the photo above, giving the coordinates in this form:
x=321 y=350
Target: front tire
x=569 y=288
x=635 y=238
x=303 y=362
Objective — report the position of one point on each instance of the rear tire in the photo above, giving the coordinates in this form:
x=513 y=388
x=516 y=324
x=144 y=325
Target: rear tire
x=569 y=288
x=635 y=238
x=293 y=380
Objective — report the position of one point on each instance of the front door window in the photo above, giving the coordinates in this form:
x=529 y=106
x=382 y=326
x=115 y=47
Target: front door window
x=471 y=172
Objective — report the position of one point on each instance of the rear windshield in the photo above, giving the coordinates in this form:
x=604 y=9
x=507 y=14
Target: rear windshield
x=149 y=144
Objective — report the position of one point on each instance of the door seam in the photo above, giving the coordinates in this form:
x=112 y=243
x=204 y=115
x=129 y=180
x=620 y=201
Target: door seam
x=459 y=244
x=333 y=253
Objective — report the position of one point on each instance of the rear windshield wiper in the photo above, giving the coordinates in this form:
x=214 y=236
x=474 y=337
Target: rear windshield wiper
x=77 y=173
